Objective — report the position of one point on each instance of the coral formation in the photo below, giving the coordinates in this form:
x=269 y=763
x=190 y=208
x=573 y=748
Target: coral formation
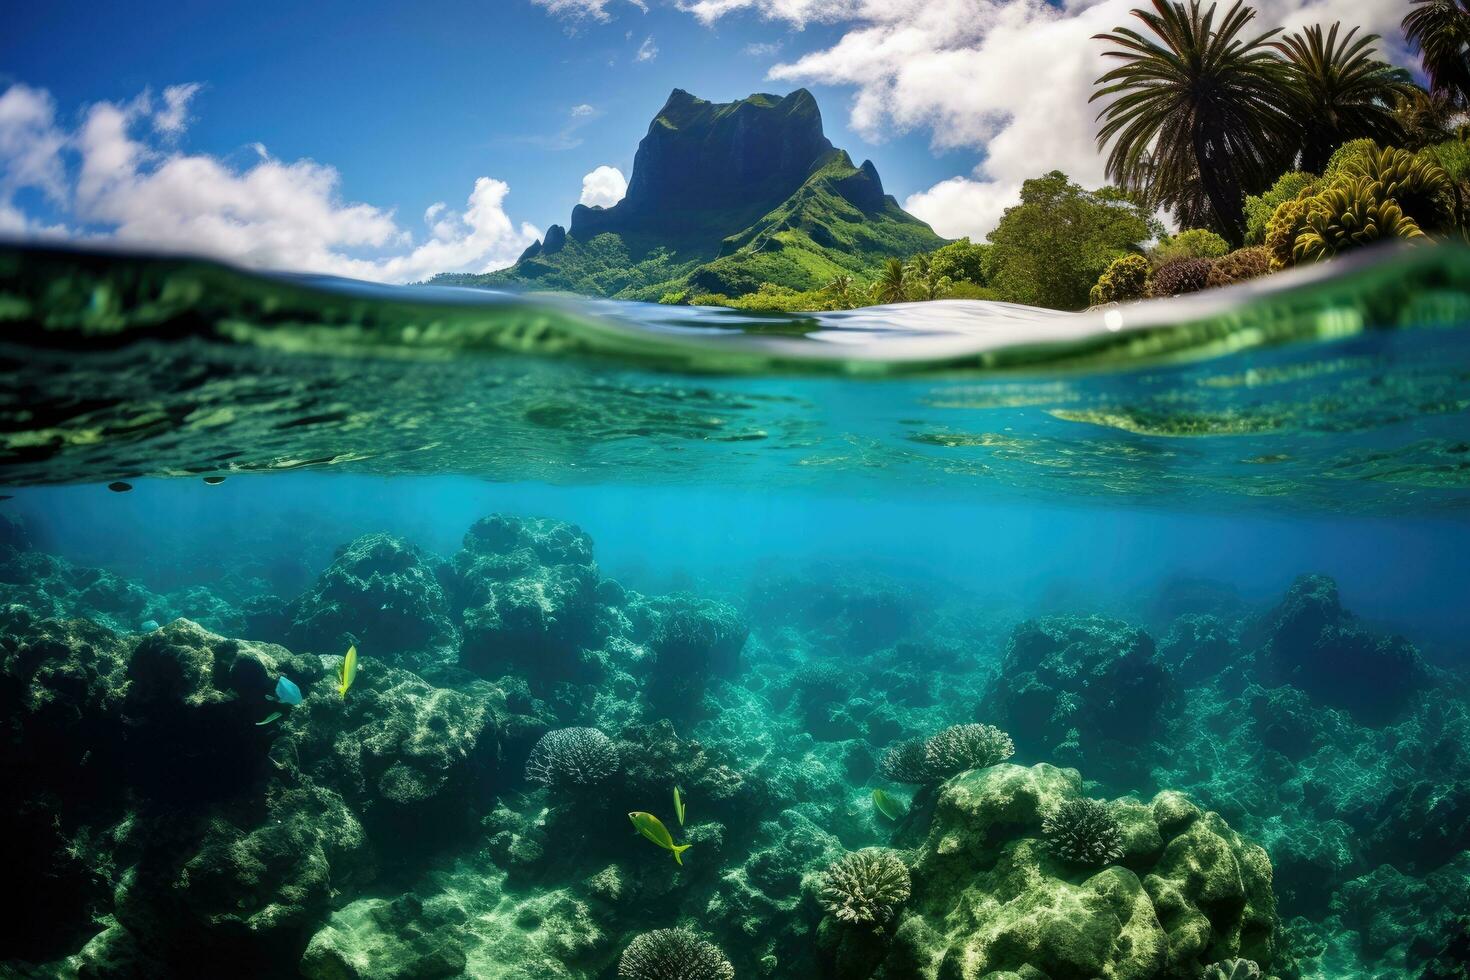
x=1083 y=831
x=866 y=887
x=960 y=748
x=570 y=759
x=673 y=954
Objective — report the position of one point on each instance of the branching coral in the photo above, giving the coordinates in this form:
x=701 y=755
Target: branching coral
x=865 y=887
x=673 y=954
x=962 y=747
x=906 y=762
x=1236 y=969
x=572 y=758
x=1083 y=831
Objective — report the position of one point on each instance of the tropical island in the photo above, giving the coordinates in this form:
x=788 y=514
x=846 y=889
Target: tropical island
x=1263 y=149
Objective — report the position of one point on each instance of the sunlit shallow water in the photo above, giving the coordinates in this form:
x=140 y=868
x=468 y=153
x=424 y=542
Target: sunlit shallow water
x=807 y=540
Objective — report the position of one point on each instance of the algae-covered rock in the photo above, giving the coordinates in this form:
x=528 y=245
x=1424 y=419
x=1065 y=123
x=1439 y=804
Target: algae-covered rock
x=991 y=898
x=379 y=939
x=692 y=640
x=384 y=595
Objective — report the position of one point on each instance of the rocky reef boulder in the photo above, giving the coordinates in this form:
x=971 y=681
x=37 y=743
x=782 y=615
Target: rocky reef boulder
x=1311 y=642
x=383 y=594
x=691 y=640
x=1080 y=689
x=992 y=898
x=528 y=595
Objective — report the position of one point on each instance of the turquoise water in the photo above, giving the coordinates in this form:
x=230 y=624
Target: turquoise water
x=1203 y=560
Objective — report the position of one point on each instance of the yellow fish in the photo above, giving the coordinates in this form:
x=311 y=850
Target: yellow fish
x=679 y=806
x=347 y=673
x=653 y=828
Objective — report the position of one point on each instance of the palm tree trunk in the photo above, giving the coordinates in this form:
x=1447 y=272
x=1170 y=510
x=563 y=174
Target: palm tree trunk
x=1226 y=199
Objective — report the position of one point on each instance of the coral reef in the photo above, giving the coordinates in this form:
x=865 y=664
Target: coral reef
x=673 y=954
x=867 y=887
x=1083 y=832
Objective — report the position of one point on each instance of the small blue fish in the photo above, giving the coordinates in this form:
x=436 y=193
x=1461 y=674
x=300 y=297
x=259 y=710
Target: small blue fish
x=287 y=692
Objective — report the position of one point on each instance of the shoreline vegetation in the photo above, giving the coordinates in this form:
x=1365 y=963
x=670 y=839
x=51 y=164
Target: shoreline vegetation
x=1201 y=121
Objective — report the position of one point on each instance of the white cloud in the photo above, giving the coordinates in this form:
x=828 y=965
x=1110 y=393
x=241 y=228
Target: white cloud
x=603 y=187
x=578 y=10
x=762 y=49
x=270 y=214
x=1009 y=79
x=173 y=117
x=582 y=111
x=647 y=51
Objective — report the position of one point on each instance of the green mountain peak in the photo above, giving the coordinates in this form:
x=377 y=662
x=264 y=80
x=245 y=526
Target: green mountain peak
x=725 y=197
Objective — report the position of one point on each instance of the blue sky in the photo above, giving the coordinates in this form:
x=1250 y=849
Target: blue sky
x=365 y=115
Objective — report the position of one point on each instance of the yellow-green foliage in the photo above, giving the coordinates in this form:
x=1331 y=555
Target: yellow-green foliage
x=1420 y=187
x=1126 y=278
x=1240 y=265
x=1286 y=223
x=1195 y=243
x=1453 y=156
x=1353 y=212
x=1349 y=153
x=1259 y=208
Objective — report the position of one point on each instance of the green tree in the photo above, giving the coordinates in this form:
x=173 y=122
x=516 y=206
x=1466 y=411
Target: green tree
x=840 y=289
x=925 y=280
x=1342 y=91
x=1193 y=243
x=1051 y=248
x=892 y=285
x=1440 y=30
x=962 y=261
x=1197 y=112
x=1260 y=207
x=1425 y=118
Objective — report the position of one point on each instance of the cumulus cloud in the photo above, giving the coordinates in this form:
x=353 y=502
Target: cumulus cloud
x=269 y=214
x=1009 y=79
x=173 y=117
x=603 y=187
x=647 y=51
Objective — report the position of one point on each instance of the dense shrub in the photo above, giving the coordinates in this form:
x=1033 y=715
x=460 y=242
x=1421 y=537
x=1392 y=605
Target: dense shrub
x=1239 y=265
x=1124 y=280
x=1350 y=153
x=962 y=261
x=1195 y=243
x=1180 y=276
x=1259 y=208
x=1419 y=186
x=1281 y=233
x=1083 y=831
x=865 y=887
x=673 y=954
x=1453 y=156
x=1350 y=214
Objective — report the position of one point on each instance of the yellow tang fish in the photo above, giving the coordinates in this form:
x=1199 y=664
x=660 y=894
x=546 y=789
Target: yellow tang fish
x=679 y=806
x=347 y=673
x=653 y=828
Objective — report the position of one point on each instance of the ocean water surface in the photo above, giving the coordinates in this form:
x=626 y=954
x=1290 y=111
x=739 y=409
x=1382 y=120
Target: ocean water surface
x=1203 y=561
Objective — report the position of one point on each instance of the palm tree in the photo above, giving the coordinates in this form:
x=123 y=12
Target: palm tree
x=840 y=289
x=1424 y=118
x=1195 y=108
x=893 y=282
x=1440 y=29
x=1343 y=93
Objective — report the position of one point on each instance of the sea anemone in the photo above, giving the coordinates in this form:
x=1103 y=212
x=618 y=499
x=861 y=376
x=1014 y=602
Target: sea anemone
x=673 y=954
x=906 y=762
x=865 y=887
x=572 y=758
x=963 y=747
x=1083 y=831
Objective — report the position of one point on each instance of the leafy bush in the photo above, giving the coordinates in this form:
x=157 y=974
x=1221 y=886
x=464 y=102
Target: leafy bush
x=960 y=748
x=572 y=758
x=968 y=290
x=678 y=297
x=1350 y=214
x=962 y=262
x=1180 y=276
x=673 y=954
x=865 y=887
x=1453 y=156
x=1195 y=243
x=1350 y=152
x=1240 y=265
x=1083 y=831
x=1260 y=207
x=1286 y=224
x=1126 y=278
x=1051 y=248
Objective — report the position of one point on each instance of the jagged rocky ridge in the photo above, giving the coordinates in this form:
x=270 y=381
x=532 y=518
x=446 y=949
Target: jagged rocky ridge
x=724 y=197
x=1266 y=810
